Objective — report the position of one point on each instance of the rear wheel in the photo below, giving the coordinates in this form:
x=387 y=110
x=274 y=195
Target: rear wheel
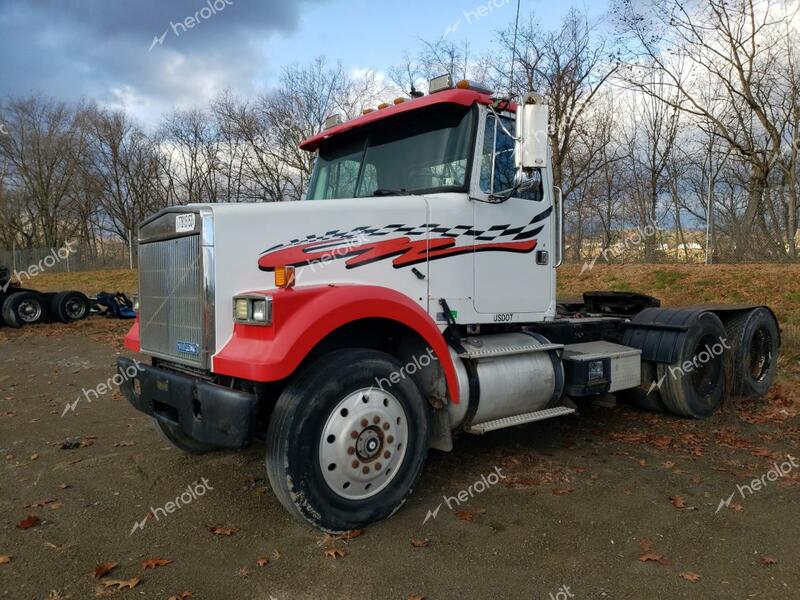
x=694 y=384
x=70 y=306
x=24 y=308
x=755 y=339
x=343 y=452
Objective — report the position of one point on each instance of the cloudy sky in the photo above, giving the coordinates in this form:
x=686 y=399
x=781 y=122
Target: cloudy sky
x=140 y=55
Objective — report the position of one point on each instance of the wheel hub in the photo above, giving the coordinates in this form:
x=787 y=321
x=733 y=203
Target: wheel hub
x=363 y=443
x=29 y=311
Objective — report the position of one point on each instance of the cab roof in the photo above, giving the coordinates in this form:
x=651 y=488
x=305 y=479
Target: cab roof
x=457 y=97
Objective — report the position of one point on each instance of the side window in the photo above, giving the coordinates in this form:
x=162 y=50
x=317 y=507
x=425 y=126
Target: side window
x=498 y=170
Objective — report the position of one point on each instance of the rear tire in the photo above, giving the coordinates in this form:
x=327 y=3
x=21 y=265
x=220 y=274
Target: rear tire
x=646 y=396
x=24 y=308
x=70 y=306
x=755 y=338
x=342 y=450
x=694 y=384
x=181 y=441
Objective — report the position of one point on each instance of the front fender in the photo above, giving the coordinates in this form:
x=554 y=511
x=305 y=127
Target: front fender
x=303 y=317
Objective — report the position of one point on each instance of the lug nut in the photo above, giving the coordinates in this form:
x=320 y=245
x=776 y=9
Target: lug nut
x=385 y=426
x=364 y=422
x=355 y=464
x=351 y=450
x=377 y=466
x=390 y=439
x=365 y=470
x=387 y=454
x=354 y=434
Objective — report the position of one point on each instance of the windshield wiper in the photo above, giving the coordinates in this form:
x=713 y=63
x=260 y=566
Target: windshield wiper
x=389 y=192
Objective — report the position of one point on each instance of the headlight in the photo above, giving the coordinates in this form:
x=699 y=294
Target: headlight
x=252 y=309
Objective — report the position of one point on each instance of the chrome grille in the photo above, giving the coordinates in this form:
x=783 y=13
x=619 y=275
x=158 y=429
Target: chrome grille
x=171 y=299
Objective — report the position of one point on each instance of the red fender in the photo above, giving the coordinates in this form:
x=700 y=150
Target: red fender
x=132 y=341
x=302 y=317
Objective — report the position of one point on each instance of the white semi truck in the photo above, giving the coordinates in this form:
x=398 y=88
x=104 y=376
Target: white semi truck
x=410 y=298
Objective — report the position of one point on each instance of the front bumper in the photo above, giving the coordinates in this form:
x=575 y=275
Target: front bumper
x=204 y=411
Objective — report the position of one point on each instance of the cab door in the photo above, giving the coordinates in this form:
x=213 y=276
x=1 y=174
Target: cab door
x=514 y=250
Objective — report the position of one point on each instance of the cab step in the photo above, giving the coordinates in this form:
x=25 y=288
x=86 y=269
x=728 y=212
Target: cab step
x=539 y=415
x=474 y=352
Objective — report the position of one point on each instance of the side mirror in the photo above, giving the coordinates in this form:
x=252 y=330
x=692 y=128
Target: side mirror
x=533 y=139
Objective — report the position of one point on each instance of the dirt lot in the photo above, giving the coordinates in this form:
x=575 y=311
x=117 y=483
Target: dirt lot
x=614 y=503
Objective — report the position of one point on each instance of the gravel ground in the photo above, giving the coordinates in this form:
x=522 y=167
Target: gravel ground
x=613 y=503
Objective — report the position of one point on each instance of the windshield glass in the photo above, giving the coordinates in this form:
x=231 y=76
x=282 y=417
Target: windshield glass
x=426 y=152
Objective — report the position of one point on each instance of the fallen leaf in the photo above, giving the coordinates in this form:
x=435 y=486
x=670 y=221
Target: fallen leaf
x=276 y=554
x=415 y=597
x=689 y=576
x=63 y=486
x=420 y=543
x=737 y=507
x=5 y=559
x=56 y=506
x=29 y=521
x=349 y=535
x=223 y=530
x=243 y=572
x=677 y=501
x=124 y=444
x=104 y=569
x=646 y=544
x=653 y=557
x=642 y=463
x=34 y=456
x=562 y=491
x=468 y=515
x=152 y=563
x=181 y=596
x=669 y=464
x=263 y=561
x=121 y=584
x=335 y=553
x=766 y=561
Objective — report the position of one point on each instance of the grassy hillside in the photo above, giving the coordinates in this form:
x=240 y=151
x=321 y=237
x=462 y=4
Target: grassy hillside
x=676 y=285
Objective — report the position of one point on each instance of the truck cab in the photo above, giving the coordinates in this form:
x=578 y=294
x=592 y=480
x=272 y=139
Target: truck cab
x=410 y=298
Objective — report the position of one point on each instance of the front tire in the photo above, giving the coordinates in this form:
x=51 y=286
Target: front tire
x=347 y=440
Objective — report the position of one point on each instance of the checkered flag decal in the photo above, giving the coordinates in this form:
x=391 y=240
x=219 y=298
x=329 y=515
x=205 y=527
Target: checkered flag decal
x=493 y=234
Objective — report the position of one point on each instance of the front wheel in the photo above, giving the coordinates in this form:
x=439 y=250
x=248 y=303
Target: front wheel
x=347 y=440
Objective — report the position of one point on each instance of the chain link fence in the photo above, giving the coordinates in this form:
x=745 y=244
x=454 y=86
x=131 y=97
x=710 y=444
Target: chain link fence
x=68 y=258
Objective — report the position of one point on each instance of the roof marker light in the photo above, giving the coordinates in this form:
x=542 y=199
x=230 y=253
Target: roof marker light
x=441 y=83
x=400 y=100
x=466 y=84
x=383 y=105
x=366 y=111
x=333 y=121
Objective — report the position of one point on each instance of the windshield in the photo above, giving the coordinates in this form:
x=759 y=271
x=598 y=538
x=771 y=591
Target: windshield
x=426 y=152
